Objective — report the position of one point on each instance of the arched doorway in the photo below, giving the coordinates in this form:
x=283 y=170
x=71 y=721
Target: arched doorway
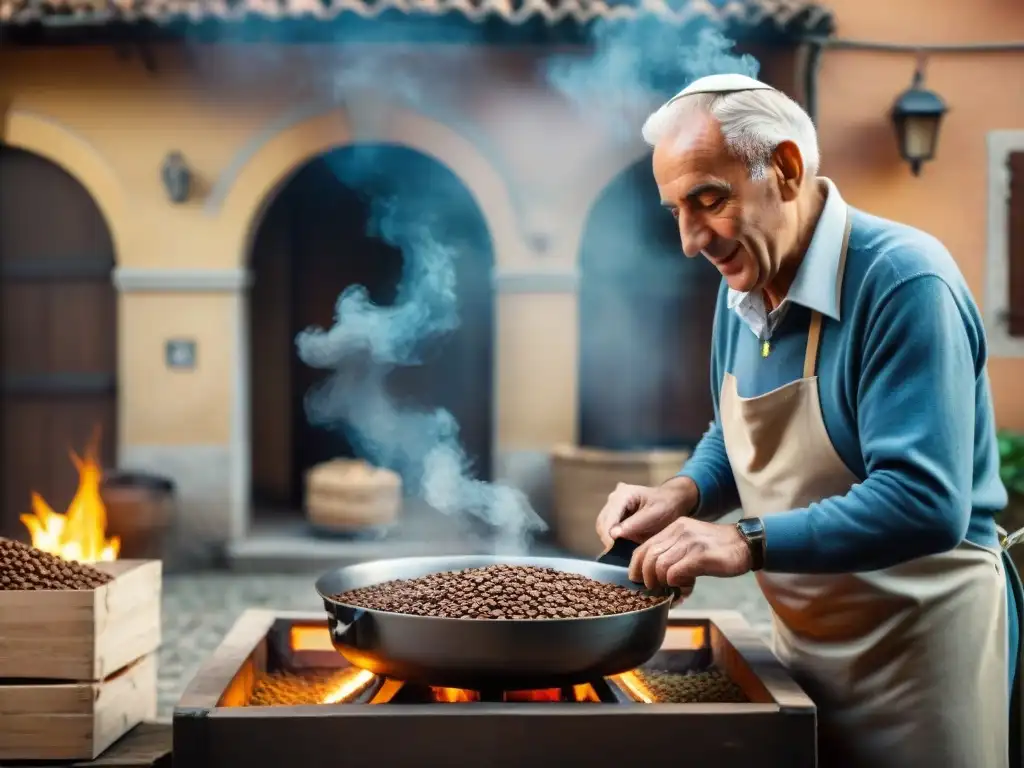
x=58 y=319
x=646 y=314
x=312 y=244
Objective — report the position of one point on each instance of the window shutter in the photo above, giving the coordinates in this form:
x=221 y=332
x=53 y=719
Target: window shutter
x=1015 y=239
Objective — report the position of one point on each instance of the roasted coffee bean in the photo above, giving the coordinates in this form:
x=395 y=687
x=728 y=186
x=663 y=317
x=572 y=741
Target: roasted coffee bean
x=710 y=686
x=24 y=568
x=500 y=592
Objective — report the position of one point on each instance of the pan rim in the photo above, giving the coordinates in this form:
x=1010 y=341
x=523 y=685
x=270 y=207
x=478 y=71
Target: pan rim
x=330 y=599
x=556 y=620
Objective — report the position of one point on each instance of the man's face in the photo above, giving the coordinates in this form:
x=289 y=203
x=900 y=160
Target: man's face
x=738 y=224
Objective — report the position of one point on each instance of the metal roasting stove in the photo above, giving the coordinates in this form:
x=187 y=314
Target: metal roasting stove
x=276 y=694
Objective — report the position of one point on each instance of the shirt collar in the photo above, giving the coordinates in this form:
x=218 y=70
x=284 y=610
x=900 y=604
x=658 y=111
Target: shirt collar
x=816 y=285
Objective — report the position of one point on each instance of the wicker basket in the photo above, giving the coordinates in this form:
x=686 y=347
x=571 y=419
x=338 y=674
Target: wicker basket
x=583 y=478
x=350 y=495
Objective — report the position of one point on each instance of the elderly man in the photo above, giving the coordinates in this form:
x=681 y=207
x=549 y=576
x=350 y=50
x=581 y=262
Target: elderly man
x=854 y=428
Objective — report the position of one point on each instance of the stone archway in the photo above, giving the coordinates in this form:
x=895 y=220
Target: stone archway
x=63 y=147
x=241 y=196
x=316 y=241
x=646 y=314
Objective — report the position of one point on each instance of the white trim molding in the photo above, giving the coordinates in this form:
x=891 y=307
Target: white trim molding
x=1001 y=144
x=508 y=282
x=141 y=279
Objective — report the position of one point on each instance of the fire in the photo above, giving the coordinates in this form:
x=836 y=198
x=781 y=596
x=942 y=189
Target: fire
x=635 y=687
x=353 y=682
x=81 y=533
x=554 y=695
x=454 y=695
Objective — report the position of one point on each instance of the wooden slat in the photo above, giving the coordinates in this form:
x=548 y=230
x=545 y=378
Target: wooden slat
x=1015 y=238
x=56 y=384
x=245 y=642
x=87 y=267
x=82 y=634
x=75 y=721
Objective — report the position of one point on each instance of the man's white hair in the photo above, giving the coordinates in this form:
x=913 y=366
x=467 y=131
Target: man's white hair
x=753 y=122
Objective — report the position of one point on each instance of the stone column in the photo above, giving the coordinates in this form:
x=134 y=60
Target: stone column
x=181 y=418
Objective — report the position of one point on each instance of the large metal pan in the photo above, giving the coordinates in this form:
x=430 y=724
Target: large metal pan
x=488 y=654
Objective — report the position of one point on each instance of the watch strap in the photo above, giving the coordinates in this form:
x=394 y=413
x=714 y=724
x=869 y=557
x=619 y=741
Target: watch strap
x=752 y=531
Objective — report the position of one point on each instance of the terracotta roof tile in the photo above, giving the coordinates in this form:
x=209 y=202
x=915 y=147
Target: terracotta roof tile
x=791 y=15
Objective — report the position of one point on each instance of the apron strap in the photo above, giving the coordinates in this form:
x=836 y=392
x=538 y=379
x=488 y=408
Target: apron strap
x=813 y=340
x=814 y=332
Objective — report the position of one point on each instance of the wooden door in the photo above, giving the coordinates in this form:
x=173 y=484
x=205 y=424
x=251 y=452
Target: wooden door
x=311 y=246
x=58 y=329
x=646 y=316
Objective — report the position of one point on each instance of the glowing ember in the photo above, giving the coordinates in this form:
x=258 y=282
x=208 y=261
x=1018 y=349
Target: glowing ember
x=81 y=533
x=349 y=686
x=454 y=695
x=635 y=687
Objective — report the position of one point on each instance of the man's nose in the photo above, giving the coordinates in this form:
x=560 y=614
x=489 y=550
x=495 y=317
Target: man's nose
x=695 y=237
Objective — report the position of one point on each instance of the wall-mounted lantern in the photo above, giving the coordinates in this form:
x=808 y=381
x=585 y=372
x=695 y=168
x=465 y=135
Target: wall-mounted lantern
x=176 y=177
x=917 y=115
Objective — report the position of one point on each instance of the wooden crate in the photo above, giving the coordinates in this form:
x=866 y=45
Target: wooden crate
x=75 y=721
x=583 y=478
x=82 y=635
x=215 y=726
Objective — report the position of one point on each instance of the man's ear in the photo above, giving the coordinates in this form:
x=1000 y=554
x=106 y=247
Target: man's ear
x=788 y=164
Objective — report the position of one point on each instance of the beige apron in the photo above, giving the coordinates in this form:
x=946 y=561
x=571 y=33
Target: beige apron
x=908 y=665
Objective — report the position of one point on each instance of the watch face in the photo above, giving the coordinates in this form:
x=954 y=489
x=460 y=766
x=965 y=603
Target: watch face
x=751 y=526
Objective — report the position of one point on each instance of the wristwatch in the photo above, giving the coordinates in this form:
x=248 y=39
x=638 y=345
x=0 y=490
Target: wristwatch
x=752 y=531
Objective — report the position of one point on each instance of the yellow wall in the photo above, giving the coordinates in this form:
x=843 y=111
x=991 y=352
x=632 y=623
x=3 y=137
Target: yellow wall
x=245 y=118
x=983 y=91
x=110 y=123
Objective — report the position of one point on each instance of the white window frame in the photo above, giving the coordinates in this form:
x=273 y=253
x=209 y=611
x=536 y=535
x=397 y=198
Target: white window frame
x=1001 y=144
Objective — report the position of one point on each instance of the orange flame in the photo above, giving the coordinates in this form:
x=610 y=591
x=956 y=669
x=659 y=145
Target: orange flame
x=81 y=533
x=454 y=695
x=352 y=682
x=635 y=687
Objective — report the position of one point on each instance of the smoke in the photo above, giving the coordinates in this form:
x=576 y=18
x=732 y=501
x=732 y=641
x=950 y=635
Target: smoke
x=625 y=69
x=367 y=341
x=634 y=65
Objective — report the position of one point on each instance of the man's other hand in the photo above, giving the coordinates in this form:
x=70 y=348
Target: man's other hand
x=638 y=512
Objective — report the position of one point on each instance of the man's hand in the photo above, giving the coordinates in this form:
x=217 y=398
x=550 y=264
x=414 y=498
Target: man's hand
x=637 y=512
x=687 y=549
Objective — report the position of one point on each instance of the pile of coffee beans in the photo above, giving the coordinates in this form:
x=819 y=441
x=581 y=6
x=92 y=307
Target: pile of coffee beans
x=23 y=567
x=288 y=689
x=500 y=592
x=710 y=686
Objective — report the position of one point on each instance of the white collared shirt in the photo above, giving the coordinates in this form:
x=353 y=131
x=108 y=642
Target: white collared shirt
x=816 y=283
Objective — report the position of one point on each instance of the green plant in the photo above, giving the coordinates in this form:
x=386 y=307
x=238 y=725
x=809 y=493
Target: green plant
x=1011 y=461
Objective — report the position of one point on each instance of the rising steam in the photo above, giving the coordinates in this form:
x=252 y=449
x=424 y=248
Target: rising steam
x=367 y=341
x=630 y=67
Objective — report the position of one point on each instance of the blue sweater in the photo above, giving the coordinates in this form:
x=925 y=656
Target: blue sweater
x=905 y=400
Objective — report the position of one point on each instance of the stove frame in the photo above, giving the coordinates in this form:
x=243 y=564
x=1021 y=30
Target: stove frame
x=214 y=728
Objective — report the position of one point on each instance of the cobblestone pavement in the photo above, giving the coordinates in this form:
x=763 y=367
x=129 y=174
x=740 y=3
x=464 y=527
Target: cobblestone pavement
x=198 y=610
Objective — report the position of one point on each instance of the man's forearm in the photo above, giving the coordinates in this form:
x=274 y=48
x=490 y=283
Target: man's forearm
x=709 y=471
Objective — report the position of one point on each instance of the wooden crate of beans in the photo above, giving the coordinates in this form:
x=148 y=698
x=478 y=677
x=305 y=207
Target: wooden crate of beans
x=77 y=652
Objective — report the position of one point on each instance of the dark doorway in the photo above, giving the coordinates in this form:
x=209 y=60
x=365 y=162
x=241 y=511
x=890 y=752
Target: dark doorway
x=312 y=244
x=59 y=333
x=646 y=313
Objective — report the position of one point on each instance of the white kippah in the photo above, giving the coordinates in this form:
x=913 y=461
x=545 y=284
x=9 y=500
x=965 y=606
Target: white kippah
x=721 y=84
